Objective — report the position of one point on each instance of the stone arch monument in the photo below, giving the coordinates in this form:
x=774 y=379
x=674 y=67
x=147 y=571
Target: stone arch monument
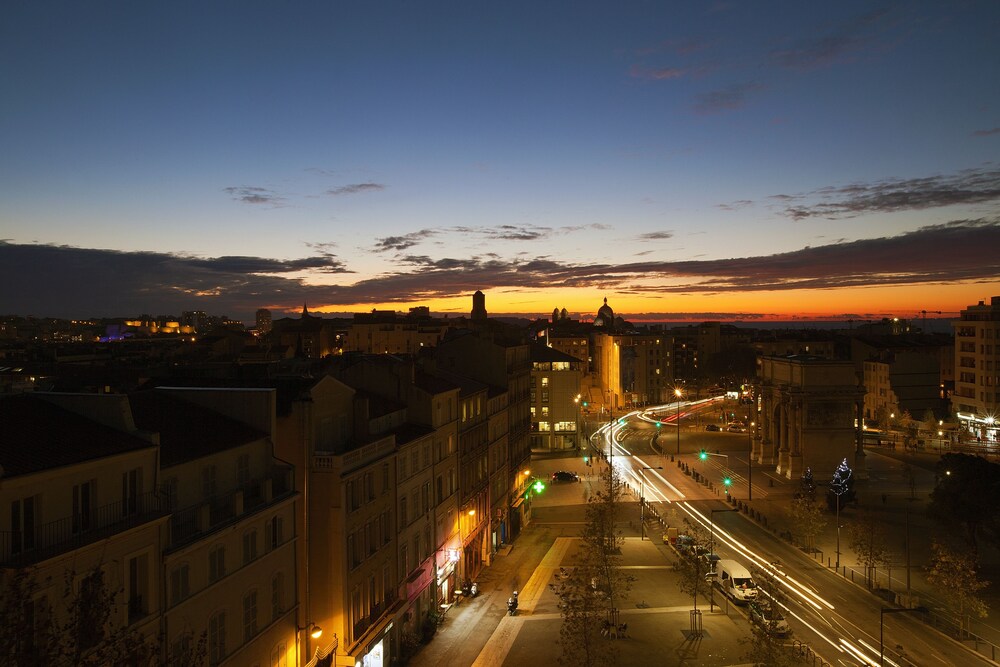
x=809 y=411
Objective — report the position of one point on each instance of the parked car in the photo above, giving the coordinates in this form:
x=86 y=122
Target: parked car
x=564 y=476
x=713 y=427
x=736 y=428
x=708 y=561
x=768 y=616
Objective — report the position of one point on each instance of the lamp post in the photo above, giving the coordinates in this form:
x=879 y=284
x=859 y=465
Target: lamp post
x=642 y=500
x=678 y=393
x=881 y=627
x=577 y=433
x=750 y=426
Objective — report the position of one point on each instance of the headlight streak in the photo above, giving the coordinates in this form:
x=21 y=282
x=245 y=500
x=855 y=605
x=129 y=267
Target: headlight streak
x=789 y=582
x=875 y=650
x=856 y=652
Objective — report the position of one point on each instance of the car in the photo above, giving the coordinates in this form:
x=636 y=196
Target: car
x=564 y=476
x=708 y=560
x=736 y=428
x=713 y=427
x=767 y=615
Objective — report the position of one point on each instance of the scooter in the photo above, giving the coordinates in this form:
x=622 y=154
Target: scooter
x=512 y=606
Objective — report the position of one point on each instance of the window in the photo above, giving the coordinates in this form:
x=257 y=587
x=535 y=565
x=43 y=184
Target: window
x=169 y=490
x=545 y=411
x=217 y=638
x=545 y=396
x=138 y=581
x=272 y=533
x=249 y=615
x=217 y=563
x=402 y=511
x=249 y=546
x=545 y=382
x=22 y=524
x=385 y=478
x=277 y=595
x=279 y=656
x=131 y=488
x=83 y=506
x=243 y=469
x=180 y=587
x=208 y=483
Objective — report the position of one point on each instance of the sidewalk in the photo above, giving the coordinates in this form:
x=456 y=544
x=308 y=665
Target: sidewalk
x=479 y=632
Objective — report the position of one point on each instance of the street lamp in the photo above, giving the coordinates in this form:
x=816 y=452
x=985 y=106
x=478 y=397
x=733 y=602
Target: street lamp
x=678 y=393
x=642 y=500
x=881 y=627
x=577 y=439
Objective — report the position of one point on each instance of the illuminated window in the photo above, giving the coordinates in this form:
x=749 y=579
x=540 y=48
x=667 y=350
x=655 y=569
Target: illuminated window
x=544 y=426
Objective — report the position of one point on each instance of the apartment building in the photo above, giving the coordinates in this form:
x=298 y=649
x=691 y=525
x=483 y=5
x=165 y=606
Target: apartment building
x=556 y=399
x=976 y=400
x=80 y=520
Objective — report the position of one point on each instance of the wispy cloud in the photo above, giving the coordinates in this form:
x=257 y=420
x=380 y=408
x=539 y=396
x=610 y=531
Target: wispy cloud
x=729 y=98
x=62 y=279
x=656 y=73
x=735 y=205
x=255 y=195
x=837 y=44
x=970 y=186
x=986 y=133
x=355 y=188
x=403 y=242
x=656 y=236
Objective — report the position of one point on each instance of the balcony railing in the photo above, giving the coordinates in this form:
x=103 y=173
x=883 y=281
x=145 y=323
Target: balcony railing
x=190 y=522
x=24 y=547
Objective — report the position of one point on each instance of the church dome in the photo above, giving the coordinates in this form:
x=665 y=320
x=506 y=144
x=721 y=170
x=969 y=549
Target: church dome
x=605 y=315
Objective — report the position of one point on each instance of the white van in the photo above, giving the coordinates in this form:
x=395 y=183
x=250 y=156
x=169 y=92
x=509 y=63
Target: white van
x=735 y=581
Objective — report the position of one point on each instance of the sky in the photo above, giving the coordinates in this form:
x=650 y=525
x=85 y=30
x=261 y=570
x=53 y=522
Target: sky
x=684 y=160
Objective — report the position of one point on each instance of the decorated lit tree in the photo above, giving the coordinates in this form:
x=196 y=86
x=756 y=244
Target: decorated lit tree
x=841 y=487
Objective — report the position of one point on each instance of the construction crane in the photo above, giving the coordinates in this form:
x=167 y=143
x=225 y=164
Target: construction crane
x=924 y=313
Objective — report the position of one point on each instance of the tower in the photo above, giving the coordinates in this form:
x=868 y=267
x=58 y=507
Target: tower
x=478 y=306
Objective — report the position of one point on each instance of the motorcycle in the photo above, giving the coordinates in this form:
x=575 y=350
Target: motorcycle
x=512 y=606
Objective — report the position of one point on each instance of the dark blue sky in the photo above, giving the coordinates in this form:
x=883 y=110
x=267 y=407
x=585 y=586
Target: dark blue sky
x=722 y=158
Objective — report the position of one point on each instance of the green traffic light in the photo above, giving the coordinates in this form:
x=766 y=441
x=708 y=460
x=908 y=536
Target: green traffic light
x=658 y=424
x=727 y=481
x=703 y=455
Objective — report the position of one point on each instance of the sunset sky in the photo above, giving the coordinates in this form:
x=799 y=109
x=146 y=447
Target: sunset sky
x=686 y=160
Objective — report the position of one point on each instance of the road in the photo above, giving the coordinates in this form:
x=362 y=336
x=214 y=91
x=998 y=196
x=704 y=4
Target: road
x=838 y=619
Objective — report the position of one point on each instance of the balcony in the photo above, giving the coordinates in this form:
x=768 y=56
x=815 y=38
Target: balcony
x=190 y=523
x=21 y=548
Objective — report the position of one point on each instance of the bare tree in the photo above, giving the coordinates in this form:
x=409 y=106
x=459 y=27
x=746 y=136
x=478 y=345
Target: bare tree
x=808 y=519
x=764 y=647
x=589 y=591
x=955 y=576
x=866 y=537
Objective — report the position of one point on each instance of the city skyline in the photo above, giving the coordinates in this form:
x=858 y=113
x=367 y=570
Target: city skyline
x=686 y=162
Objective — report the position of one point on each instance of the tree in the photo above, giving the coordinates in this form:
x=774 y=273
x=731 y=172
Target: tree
x=82 y=631
x=955 y=576
x=966 y=492
x=691 y=570
x=808 y=519
x=763 y=647
x=588 y=592
x=866 y=537
x=841 y=487
x=807 y=485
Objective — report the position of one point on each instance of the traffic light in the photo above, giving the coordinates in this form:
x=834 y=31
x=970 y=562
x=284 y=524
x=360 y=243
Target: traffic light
x=658 y=423
x=539 y=486
x=586 y=460
x=727 y=481
x=703 y=455
x=585 y=404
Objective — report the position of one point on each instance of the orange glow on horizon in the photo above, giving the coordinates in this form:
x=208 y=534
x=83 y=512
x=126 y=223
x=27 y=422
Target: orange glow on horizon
x=832 y=304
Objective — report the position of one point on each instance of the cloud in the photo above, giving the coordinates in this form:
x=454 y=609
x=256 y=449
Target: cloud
x=970 y=186
x=736 y=205
x=730 y=98
x=836 y=45
x=656 y=73
x=656 y=236
x=403 y=242
x=63 y=281
x=986 y=133
x=255 y=195
x=355 y=188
